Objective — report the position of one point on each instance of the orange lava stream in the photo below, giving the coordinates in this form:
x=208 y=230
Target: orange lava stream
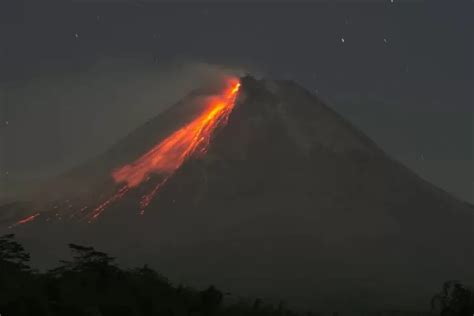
x=147 y=198
x=117 y=196
x=194 y=137
x=26 y=219
x=167 y=156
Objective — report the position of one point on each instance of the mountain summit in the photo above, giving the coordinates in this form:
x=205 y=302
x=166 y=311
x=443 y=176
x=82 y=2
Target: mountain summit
x=288 y=201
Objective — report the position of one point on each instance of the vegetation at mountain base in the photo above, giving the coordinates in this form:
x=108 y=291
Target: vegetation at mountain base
x=91 y=284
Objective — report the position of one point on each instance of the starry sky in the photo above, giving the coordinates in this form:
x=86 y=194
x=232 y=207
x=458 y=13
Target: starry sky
x=75 y=76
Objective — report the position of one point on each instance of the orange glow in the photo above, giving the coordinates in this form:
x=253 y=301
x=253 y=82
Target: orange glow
x=193 y=138
x=168 y=155
x=147 y=198
x=27 y=219
x=164 y=158
x=117 y=196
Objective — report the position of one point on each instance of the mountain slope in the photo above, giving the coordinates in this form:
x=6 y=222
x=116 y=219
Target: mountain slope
x=290 y=201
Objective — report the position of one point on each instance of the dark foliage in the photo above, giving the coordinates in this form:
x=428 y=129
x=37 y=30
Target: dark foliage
x=12 y=253
x=91 y=284
x=455 y=299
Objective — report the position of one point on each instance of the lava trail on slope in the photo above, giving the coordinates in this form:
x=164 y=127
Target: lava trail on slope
x=168 y=155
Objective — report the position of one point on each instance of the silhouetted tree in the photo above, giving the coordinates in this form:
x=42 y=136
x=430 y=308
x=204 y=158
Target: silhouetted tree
x=20 y=288
x=211 y=300
x=85 y=258
x=455 y=299
x=12 y=253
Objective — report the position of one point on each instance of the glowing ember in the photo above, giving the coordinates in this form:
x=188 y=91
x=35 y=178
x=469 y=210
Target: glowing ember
x=27 y=219
x=147 y=198
x=117 y=196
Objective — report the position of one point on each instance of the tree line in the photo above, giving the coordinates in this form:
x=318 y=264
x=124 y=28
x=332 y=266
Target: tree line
x=92 y=284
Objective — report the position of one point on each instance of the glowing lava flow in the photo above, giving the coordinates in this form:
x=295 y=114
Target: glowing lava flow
x=194 y=137
x=117 y=196
x=26 y=220
x=168 y=155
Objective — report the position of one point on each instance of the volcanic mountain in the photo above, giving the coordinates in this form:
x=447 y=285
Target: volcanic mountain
x=278 y=197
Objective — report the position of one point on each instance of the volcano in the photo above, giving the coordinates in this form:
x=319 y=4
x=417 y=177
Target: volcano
x=272 y=195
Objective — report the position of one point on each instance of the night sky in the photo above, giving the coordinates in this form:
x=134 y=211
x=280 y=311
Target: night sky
x=77 y=75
